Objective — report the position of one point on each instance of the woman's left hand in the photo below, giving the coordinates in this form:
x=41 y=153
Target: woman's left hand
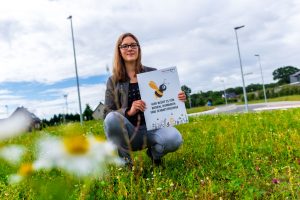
x=181 y=96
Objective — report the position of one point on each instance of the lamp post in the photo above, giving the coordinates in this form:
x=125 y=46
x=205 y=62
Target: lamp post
x=224 y=91
x=6 y=106
x=66 y=112
x=78 y=90
x=242 y=73
x=248 y=73
x=190 y=103
x=107 y=70
x=262 y=77
x=66 y=99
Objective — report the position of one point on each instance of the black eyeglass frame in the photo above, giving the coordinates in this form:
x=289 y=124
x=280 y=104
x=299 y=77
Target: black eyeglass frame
x=126 y=46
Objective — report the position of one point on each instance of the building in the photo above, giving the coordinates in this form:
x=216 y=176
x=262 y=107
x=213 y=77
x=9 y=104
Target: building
x=34 y=121
x=99 y=112
x=230 y=95
x=295 y=78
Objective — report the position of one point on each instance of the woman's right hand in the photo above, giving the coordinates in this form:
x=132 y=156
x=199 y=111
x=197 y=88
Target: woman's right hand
x=138 y=105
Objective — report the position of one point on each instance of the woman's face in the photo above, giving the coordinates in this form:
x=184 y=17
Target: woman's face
x=129 y=49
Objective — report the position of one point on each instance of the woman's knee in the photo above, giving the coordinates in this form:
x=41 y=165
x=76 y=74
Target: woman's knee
x=111 y=118
x=175 y=140
x=112 y=123
x=170 y=138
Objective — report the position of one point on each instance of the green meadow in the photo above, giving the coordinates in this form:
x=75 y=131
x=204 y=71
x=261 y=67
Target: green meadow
x=236 y=156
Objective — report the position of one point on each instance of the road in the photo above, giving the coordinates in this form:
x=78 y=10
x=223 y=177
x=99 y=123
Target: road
x=233 y=108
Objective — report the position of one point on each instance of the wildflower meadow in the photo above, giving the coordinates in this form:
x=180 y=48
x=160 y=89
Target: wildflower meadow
x=225 y=156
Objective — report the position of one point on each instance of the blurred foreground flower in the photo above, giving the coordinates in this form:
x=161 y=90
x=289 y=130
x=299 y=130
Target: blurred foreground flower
x=14 y=126
x=79 y=155
x=25 y=170
x=12 y=153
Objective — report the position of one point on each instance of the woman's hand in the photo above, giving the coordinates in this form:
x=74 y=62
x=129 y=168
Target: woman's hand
x=136 y=106
x=181 y=96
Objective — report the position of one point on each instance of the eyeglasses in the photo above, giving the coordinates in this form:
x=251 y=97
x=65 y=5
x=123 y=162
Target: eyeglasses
x=126 y=46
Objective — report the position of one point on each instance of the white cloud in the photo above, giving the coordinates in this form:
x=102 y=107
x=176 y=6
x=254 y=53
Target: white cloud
x=89 y=94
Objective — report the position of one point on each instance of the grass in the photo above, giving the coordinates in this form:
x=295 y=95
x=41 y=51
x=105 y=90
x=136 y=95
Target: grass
x=284 y=98
x=199 y=109
x=237 y=156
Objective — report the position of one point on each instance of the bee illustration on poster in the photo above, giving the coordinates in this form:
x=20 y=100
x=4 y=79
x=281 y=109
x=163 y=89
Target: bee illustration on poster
x=159 y=90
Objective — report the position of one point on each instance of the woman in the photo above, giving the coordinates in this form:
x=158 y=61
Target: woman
x=124 y=122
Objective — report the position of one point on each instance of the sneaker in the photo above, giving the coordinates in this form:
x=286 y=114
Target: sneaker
x=155 y=162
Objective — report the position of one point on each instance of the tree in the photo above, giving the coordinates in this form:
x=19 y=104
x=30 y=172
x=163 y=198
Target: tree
x=282 y=74
x=58 y=119
x=88 y=112
x=187 y=92
x=236 y=90
x=186 y=89
x=253 y=87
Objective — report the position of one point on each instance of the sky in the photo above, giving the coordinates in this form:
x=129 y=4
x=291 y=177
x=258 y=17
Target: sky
x=37 y=67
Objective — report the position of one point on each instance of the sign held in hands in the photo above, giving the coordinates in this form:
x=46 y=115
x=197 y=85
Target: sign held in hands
x=159 y=90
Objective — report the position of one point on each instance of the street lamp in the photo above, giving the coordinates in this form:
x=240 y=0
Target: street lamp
x=78 y=90
x=262 y=77
x=6 y=106
x=66 y=99
x=242 y=73
x=66 y=111
x=248 y=73
x=224 y=91
x=107 y=70
x=190 y=103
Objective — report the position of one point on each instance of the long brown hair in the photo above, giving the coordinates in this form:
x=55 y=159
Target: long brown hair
x=119 y=70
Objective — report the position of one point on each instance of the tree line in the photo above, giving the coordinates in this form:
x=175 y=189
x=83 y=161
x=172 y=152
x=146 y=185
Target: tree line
x=65 y=118
x=254 y=91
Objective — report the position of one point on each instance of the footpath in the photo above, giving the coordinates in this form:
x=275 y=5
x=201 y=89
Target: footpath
x=233 y=108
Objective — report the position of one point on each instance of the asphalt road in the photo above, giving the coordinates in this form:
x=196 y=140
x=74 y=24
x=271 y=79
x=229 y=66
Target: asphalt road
x=233 y=108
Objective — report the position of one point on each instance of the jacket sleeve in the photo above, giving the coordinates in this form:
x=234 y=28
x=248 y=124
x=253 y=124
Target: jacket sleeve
x=111 y=102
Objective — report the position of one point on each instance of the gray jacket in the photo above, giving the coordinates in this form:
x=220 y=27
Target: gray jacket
x=116 y=94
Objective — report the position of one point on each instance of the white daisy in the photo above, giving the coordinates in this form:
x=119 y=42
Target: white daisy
x=79 y=155
x=25 y=170
x=12 y=153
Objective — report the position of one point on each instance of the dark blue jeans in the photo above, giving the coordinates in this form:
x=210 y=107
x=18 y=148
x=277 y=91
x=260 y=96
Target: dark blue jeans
x=127 y=137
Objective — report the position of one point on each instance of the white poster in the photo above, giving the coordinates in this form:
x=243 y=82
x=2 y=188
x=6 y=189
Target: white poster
x=159 y=90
